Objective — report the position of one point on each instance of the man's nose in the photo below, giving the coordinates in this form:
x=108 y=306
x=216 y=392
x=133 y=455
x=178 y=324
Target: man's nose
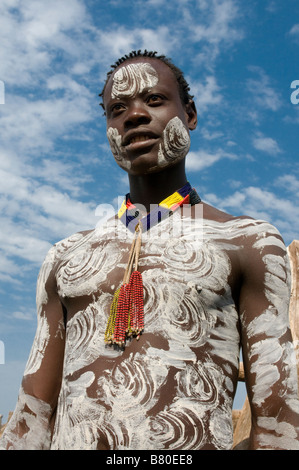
x=137 y=114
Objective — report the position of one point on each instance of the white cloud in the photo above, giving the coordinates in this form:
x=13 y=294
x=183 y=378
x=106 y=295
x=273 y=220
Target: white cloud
x=218 y=24
x=201 y=159
x=206 y=93
x=8 y=269
x=263 y=204
x=32 y=125
x=294 y=31
x=266 y=144
x=214 y=27
x=212 y=135
x=24 y=315
x=261 y=92
x=289 y=182
x=116 y=43
x=44 y=102
x=29 y=31
x=33 y=212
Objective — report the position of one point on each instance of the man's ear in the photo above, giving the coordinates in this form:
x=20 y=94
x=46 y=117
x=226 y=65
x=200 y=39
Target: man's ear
x=192 y=115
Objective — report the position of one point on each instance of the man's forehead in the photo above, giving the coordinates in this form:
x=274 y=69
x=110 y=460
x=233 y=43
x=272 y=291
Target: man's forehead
x=140 y=63
x=133 y=78
x=136 y=75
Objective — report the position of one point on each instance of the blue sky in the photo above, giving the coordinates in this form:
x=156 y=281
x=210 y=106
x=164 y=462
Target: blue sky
x=240 y=59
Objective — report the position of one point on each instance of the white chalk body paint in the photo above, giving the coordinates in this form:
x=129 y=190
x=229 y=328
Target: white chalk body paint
x=118 y=151
x=174 y=147
x=178 y=311
x=133 y=79
x=34 y=414
x=114 y=397
x=176 y=143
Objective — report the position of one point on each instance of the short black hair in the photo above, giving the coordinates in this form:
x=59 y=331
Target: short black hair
x=183 y=86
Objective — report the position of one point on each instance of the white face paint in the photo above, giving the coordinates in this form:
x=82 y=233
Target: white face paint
x=174 y=147
x=117 y=149
x=129 y=81
x=176 y=143
x=133 y=79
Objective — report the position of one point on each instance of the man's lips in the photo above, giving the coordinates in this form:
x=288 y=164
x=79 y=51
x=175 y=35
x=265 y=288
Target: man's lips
x=135 y=139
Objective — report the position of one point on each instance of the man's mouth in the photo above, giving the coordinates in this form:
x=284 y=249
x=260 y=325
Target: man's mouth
x=139 y=138
x=136 y=139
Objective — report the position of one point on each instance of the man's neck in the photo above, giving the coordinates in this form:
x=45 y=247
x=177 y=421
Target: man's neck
x=153 y=188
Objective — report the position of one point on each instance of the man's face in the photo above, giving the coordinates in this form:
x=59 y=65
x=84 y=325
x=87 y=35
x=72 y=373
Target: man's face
x=147 y=123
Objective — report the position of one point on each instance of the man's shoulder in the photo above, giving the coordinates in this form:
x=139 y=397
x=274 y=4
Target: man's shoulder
x=217 y=215
x=69 y=243
x=243 y=226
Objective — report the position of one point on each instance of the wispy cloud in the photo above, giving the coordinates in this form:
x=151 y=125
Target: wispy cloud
x=117 y=43
x=207 y=92
x=264 y=204
x=289 y=183
x=202 y=159
x=217 y=28
x=29 y=33
x=264 y=95
x=266 y=144
x=294 y=32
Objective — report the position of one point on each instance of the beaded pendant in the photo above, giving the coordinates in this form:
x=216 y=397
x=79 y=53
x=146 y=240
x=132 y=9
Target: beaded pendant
x=126 y=316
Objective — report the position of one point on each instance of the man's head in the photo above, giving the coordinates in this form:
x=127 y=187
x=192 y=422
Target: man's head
x=181 y=81
x=149 y=113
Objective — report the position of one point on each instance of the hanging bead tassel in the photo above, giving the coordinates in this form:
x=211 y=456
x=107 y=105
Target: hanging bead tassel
x=111 y=320
x=136 y=314
x=126 y=316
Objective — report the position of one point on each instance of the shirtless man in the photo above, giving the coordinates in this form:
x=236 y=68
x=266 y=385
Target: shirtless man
x=217 y=283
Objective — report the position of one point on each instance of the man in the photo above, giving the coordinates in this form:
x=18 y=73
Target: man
x=95 y=379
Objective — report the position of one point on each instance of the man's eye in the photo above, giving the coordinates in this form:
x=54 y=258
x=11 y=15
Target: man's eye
x=155 y=99
x=116 y=108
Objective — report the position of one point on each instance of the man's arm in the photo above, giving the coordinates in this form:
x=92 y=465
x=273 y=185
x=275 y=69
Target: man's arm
x=31 y=425
x=268 y=353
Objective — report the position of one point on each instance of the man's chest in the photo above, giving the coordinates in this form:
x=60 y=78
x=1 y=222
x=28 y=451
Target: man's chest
x=174 y=271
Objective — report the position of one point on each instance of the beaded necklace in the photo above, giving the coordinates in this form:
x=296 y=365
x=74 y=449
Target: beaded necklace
x=126 y=317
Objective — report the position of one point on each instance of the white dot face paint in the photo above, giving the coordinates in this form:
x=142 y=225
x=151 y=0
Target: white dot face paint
x=133 y=79
x=176 y=143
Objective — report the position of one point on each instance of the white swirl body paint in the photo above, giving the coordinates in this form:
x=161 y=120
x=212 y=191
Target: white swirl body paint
x=176 y=143
x=174 y=388
x=133 y=79
x=125 y=411
x=34 y=415
x=118 y=151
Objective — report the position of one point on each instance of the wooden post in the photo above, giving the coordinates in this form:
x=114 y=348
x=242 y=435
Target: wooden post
x=293 y=251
